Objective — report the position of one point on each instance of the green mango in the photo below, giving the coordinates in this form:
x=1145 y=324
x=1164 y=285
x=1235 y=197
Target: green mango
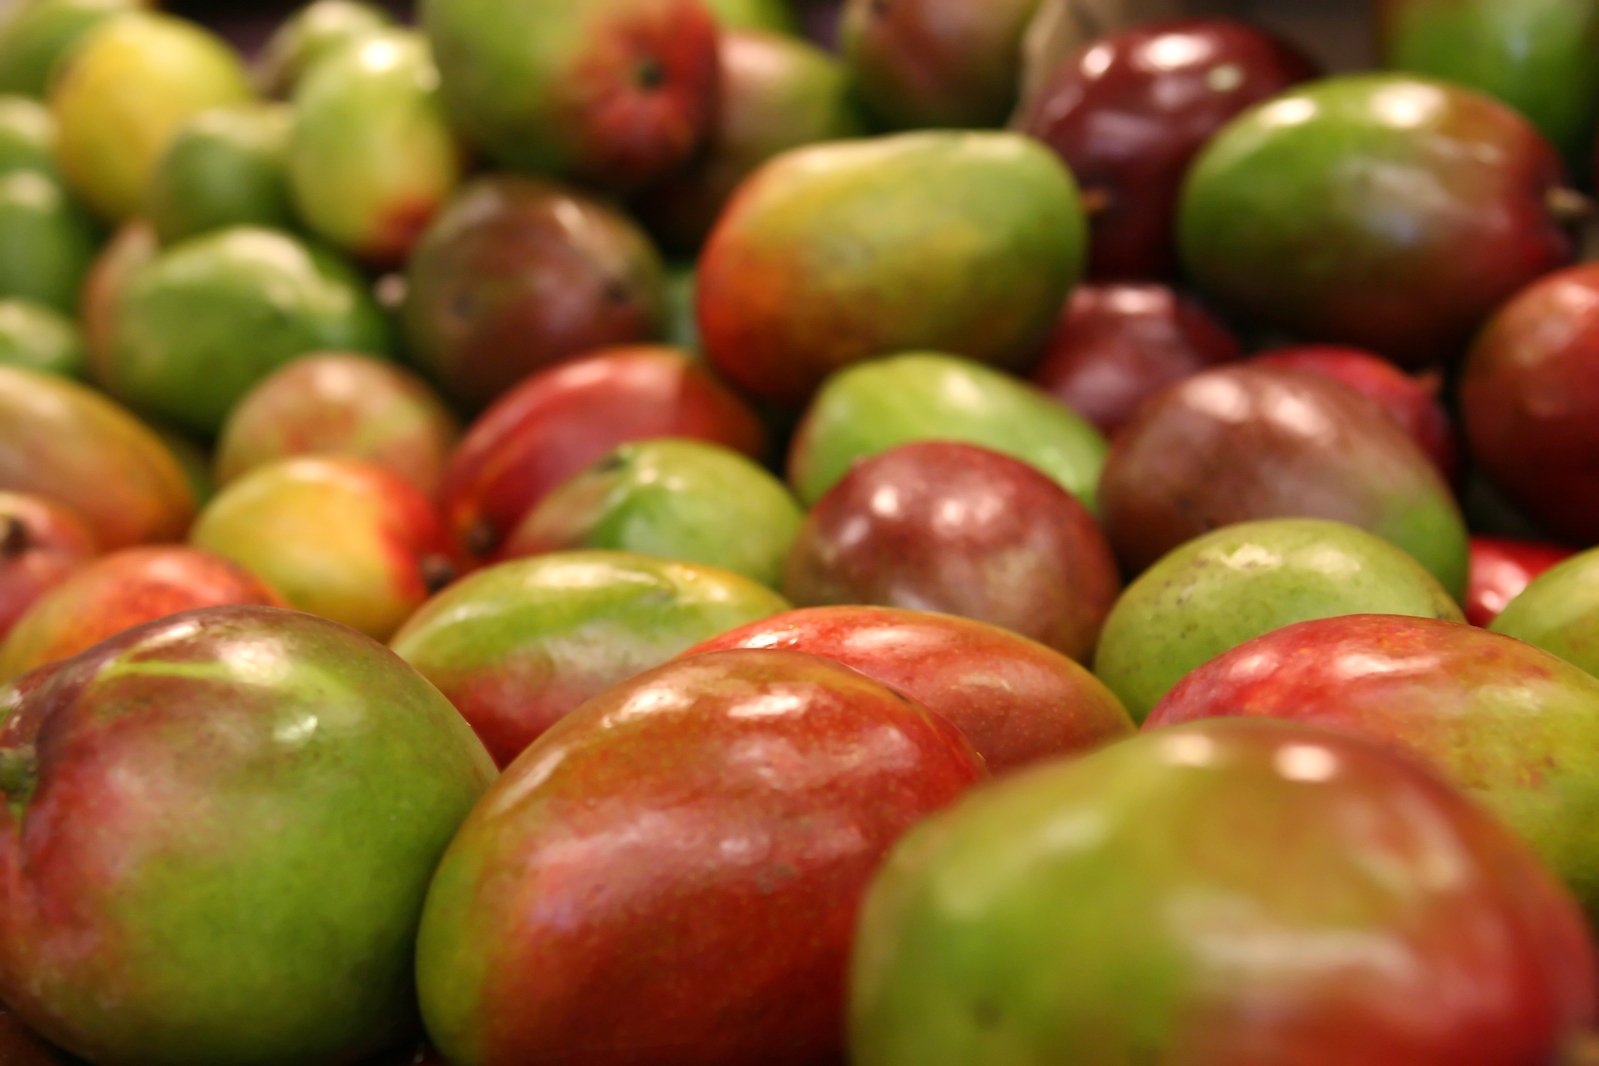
x=774 y=15
x=1559 y=611
x=872 y=407
x=46 y=241
x=39 y=338
x=225 y=167
x=312 y=32
x=210 y=317
x=125 y=92
x=1535 y=55
x=960 y=242
x=1218 y=590
x=372 y=157
x=687 y=500
x=27 y=136
x=40 y=32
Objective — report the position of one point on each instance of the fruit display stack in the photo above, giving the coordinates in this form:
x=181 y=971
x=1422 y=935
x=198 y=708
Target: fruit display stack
x=799 y=533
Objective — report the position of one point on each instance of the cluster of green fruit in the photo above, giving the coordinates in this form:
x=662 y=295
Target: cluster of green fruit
x=615 y=533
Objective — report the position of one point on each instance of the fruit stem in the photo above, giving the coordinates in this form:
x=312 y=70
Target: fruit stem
x=1569 y=207
x=13 y=537
x=19 y=771
x=437 y=572
x=1581 y=1050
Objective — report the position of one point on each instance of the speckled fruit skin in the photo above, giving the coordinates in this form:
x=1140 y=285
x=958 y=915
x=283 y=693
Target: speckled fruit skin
x=1225 y=587
x=372 y=157
x=518 y=274
x=672 y=874
x=210 y=317
x=1535 y=55
x=41 y=542
x=1559 y=611
x=1249 y=442
x=1501 y=569
x=1529 y=402
x=779 y=92
x=1242 y=893
x=1128 y=113
x=1380 y=210
x=64 y=441
x=239 y=809
x=886 y=402
x=687 y=500
x=341 y=403
x=105 y=596
x=559 y=421
x=923 y=63
x=1015 y=700
x=1412 y=400
x=339 y=537
x=1510 y=724
x=952 y=527
x=834 y=253
x=612 y=92
x=518 y=646
x=1116 y=345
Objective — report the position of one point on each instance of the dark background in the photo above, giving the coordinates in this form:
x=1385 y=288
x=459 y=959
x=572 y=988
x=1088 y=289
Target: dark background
x=250 y=22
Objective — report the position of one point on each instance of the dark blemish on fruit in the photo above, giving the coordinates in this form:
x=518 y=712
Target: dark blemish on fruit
x=651 y=74
x=617 y=291
x=13 y=537
x=437 y=572
x=482 y=538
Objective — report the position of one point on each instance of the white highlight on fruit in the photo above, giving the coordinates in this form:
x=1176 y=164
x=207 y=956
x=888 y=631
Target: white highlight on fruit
x=1306 y=762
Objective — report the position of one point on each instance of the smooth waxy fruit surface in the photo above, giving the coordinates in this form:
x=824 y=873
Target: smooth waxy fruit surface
x=225 y=167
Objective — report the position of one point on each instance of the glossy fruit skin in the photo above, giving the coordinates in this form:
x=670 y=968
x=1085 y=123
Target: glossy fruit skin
x=720 y=814
x=1116 y=345
x=559 y=421
x=36 y=337
x=123 y=93
x=895 y=400
x=518 y=646
x=210 y=317
x=1398 y=214
x=1528 y=398
x=516 y=275
x=1228 y=586
x=309 y=35
x=1559 y=611
x=1129 y=112
x=1248 y=442
x=341 y=403
x=922 y=63
x=610 y=92
x=1534 y=56
x=1015 y=700
x=34 y=37
x=673 y=498
x=1212 y=868
x=1510 y=724
x=952 y=527
x=195 y=777
x=126 y=588
x=1501 y=569
x=1412 y=400
x=372 y=158
x=41 y=543
x=779 y=92
x=338 y=537
x=225 y=167
x=64 y=441
x=835 y=253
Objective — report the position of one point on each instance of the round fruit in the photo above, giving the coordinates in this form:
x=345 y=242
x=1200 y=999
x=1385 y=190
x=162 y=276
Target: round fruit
x=225 y=167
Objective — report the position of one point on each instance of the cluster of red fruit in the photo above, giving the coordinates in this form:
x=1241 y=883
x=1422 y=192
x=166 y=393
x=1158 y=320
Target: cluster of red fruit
x=615 y=533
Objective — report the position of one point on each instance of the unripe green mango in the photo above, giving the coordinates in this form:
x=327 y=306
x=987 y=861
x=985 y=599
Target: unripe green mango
x=310 y=34
x=38 y=338
x=46 y=241
x=226 y=167
x=27 y=136
x=40 y=32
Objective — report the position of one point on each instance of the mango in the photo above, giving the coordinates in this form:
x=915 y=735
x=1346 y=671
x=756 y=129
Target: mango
x=46 y=241
x=226 y=167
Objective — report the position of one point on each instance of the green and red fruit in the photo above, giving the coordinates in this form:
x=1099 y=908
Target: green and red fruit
x=126 y=588
x=1558 y=611
x=41 y=543
x=1015 y=700
x=1384 y=211
x=952 y=527
x=1231 y=585
x=1501 y=570
x=720 y=815
x=241 y=808
x=835 y=253
x=130 y=249
x=1219 y=893
x=611 y=92
x=310 y=34
x=516 y=275
x=518 y=646
x=1248 y=442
